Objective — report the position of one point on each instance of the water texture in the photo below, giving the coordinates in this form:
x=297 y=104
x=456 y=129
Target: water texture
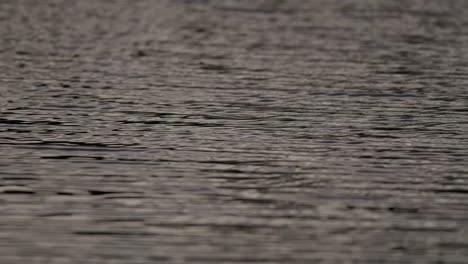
x=197 y=131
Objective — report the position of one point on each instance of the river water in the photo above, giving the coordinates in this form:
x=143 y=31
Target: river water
x=196 y=131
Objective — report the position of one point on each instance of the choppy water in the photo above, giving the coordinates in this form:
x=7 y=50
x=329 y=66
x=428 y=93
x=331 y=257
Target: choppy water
x=233 y=131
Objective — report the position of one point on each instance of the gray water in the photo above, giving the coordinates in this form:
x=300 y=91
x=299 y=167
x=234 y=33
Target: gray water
x=233 y=131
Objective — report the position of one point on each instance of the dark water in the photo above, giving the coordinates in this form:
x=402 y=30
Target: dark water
x=233 y=131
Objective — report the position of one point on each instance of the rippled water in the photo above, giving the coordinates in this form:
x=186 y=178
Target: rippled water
x=233 y=131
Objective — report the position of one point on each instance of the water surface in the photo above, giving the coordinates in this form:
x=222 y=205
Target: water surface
x=233 y=131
